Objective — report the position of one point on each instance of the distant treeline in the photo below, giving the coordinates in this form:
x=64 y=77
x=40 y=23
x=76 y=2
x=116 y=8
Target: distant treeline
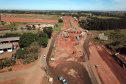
x=110 y=14
x=103 y=24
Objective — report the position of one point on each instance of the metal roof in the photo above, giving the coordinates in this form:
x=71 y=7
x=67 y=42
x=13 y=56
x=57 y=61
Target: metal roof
x=9 y=39
x=5 y=46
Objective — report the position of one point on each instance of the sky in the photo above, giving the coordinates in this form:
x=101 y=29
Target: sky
x=101 y=5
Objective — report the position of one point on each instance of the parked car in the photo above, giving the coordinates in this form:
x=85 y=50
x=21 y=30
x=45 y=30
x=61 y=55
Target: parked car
x=44 y=56
x=61 y=79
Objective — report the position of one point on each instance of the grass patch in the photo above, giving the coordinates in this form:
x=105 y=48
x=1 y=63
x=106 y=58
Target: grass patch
x=58 y=28
x=18 y=82
x=2 y=71
x=13 y=25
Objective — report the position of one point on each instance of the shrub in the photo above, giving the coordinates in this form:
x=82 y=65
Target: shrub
x=10 y=69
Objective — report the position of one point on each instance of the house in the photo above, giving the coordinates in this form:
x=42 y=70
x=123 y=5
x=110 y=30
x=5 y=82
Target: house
x=102 y=37
x=41 y=25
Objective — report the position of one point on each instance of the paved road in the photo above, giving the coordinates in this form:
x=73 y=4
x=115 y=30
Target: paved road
x=33 y=74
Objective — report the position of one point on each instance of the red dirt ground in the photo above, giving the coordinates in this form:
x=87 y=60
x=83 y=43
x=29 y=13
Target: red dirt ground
x=3 y=29
x=27 y=20
x=13 y=80
x=66 y=24
x=108 y=71
x=70 y=66
x=117 y=70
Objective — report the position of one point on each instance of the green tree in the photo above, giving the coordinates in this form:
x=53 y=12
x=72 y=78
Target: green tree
x=60 y=20
x=42 y=34
x=3 y=23
x=43 y=41
x=26 y=39
x=11 y=29
x=20 y=53
x=34 y=28
x=48 y=31
x=1 y=65
x=22 y=28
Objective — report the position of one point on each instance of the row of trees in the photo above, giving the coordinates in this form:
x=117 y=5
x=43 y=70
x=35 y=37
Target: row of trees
x=103 y=24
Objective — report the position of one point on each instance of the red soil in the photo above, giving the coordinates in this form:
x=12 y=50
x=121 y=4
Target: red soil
x=12 y=81
x=66 y=23
x=27 y=20
x=3 y=29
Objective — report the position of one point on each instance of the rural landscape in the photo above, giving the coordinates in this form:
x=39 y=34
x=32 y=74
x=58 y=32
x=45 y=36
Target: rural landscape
x=62 y=46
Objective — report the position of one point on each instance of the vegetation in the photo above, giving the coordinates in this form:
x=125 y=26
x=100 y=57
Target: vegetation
x=6 y=63
x=60 y=21
x=29 y=53
x=26 y=39
x=116 y=41
x=10 y=35
x=12 y=25
x=17 y=82
x=58 y=27
x=103 y=24
x=48 y=31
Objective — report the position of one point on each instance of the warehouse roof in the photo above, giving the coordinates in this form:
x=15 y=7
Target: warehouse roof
x=9 y=39
x=5 y=46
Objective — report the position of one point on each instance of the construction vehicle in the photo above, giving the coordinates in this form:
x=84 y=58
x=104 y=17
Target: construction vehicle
x=121 y=60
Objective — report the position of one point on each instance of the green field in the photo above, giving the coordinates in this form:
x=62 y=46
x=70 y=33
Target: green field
x=13 y=24
x=18 y=82
x=58 y=28
x=107 y=33
x=37 y=16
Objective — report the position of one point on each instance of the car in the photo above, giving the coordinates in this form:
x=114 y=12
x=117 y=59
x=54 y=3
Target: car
x=44 y=56
x=61 y=79
x=98 y=47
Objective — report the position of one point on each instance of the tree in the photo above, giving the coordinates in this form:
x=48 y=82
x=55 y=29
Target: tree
x=43 y=41
x=33 y=27
x=42 y=34
x=60 y=20
x=15 y=29
x=29 y=28
x=48 y=31
x=11 y=29
x=3 y=23
x=26 y=39
x=22 y=28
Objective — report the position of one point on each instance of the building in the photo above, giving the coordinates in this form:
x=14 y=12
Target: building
x=102 y=37
x=7 y=46
x=41 y=25
x=5 y=40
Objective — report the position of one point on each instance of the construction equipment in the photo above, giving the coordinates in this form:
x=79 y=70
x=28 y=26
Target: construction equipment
x=120 y=59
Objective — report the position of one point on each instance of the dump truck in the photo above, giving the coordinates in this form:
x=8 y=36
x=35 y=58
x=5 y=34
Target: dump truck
x=121 y=60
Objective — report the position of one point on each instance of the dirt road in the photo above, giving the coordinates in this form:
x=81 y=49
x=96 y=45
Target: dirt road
x=118 y=71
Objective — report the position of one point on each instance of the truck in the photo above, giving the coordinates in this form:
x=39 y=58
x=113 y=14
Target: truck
x=121 y=59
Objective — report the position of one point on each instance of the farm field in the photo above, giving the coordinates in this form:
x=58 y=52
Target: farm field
x=33 y=16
